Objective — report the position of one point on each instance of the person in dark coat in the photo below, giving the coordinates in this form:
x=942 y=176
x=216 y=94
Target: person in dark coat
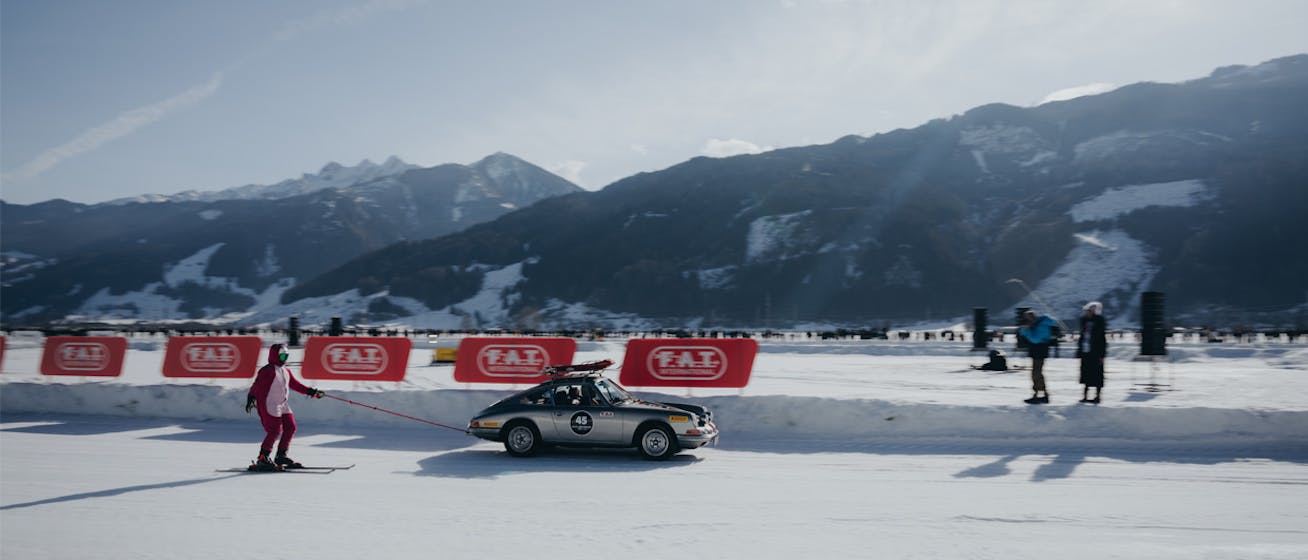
x=1092 y=348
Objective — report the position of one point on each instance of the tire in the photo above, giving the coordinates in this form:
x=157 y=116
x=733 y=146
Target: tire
x=656 y=443
x=521 y=439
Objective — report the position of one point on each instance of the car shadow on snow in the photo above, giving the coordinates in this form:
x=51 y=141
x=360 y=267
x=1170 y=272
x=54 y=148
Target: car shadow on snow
x=493 y=463
x=407 y=441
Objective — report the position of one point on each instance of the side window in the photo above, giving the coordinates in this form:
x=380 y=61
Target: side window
x=538 y=397
x=568 y=395
x=592 y=396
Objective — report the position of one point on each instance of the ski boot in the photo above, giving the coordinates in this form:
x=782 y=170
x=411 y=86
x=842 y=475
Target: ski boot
x=286 y=462
x=1037 y=400
x=264 y=464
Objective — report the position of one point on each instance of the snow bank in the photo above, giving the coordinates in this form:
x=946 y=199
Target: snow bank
x=210 y=402
x=758 y=418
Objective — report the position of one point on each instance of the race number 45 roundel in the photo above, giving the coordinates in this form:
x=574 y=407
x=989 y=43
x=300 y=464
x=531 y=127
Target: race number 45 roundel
x=689 y=362
x=356 y=358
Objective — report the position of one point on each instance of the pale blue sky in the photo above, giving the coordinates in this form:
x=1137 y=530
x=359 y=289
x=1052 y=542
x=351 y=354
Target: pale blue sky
x=112 y=98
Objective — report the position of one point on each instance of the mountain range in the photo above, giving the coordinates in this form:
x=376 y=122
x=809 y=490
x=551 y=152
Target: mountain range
x=1196 y=189
x=332 y=175
x=217 y=255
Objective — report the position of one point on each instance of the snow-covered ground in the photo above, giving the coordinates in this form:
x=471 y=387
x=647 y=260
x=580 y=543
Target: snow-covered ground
x=842 y=449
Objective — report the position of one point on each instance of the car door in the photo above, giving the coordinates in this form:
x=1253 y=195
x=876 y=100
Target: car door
x=587 y=419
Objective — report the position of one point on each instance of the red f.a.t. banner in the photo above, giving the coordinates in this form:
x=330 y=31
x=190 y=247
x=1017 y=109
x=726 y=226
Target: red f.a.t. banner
x=100 y=356
x=362 y=358
x=510 y=360
x=212 y=356
x=688 y=362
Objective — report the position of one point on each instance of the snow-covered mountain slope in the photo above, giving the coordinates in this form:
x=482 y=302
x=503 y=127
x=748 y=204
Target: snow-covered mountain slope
x=1109 y=265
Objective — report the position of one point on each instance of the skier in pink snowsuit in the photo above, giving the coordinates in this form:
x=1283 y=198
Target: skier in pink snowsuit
x=271 y=395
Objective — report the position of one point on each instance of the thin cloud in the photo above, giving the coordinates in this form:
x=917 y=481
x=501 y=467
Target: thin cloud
x=718 y=148
x=123 y=125
x=1078 y=91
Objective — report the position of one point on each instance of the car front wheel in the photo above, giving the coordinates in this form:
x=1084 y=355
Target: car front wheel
x=657 y=443
x=522 y=439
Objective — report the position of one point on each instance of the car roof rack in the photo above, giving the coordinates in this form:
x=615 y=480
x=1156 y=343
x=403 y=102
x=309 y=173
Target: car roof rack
x=576 y=370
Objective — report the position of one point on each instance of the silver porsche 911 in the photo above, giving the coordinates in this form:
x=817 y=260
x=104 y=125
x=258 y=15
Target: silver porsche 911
x=579 y=407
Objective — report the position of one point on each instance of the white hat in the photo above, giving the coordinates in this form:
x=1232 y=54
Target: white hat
x=1094 y=307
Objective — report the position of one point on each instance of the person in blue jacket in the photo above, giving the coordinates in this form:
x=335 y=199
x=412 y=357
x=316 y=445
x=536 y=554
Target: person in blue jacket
x=1039 y=333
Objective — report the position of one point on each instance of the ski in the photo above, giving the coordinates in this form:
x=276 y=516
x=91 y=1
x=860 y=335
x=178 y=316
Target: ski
x=313 y=468
x=300 y=471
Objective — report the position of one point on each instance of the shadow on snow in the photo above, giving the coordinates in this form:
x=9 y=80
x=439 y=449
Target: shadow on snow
x=118 y=491
x=494 y=463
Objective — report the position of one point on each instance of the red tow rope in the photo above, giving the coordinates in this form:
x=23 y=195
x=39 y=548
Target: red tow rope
x=379 y=409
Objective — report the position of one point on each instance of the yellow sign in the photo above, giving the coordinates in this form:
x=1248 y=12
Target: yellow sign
x=445 y=356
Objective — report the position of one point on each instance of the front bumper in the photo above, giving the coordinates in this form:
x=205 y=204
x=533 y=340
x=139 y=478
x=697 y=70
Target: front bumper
x=708 y=433
x=492 y=434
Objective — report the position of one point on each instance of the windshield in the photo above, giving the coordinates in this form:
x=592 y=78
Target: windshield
x=612 y=391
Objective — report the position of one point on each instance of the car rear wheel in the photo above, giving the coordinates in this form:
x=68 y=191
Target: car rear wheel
x=657 y=443
x=521 y=439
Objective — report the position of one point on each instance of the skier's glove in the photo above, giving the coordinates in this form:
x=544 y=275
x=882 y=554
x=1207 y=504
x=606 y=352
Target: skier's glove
x=249 y=403
x=316 y=394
